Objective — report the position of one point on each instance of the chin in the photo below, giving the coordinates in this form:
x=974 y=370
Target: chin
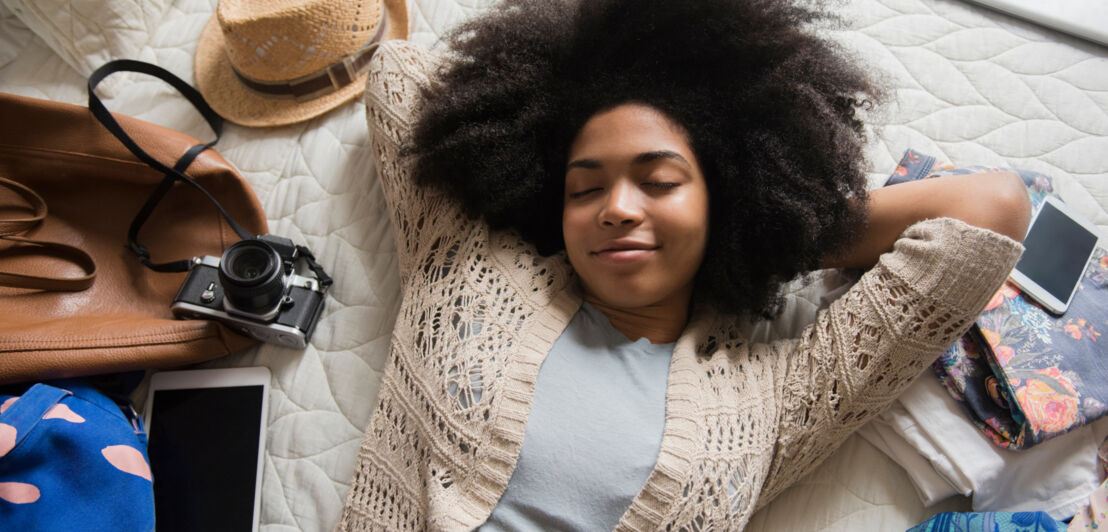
x=624 y=295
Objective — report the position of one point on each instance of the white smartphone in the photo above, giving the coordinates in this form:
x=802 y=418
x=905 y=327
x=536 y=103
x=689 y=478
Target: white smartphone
x=1056 y=252
x=207 y=440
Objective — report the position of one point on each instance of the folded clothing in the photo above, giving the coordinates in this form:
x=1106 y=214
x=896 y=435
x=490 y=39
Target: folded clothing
x=961 y=453
x=933 y=475
x=1095 y=514
x=1023 y=375
x=1056 y=477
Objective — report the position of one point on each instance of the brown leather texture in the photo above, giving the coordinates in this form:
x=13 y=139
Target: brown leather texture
x=93 y=187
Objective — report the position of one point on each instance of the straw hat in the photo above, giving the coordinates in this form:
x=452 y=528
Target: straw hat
x=277 y=62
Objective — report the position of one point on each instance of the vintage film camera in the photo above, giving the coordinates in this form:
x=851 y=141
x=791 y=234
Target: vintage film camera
x=254 y=289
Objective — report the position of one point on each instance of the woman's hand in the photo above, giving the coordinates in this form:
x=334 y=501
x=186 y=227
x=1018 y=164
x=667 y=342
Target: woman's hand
x=996 y=201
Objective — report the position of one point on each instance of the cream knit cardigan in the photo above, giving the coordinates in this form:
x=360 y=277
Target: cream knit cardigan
x=481 y=309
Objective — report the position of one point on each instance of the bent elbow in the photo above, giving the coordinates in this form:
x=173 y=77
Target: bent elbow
x=1009 y=206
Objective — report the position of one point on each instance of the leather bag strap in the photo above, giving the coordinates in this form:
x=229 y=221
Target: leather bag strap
x=42 y=282
x=10 y=228
x=15 y=226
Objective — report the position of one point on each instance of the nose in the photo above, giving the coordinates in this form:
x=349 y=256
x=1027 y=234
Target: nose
x=621 y=206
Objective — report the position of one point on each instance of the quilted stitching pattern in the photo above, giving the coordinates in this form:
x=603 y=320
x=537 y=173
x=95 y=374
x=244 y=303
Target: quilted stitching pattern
x=972 y=86
x=86 y=33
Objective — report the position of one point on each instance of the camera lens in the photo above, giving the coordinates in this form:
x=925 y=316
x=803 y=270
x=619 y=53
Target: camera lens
x=252 y=276
x=250 y=263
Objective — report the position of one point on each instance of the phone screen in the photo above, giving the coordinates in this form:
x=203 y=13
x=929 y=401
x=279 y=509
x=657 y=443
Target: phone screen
x=204 y=456
x=1056 y=250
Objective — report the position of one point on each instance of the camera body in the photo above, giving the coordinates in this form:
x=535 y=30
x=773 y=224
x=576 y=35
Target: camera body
x=254 y=289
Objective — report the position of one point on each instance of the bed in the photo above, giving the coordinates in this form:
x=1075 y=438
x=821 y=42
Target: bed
x=973 y=86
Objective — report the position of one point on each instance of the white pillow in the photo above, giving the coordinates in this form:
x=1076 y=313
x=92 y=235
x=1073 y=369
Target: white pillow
x=89 y=33
x=13 y=36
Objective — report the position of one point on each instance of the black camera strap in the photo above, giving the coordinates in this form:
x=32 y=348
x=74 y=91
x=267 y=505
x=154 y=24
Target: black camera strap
x=320 y=275
x=171 y=174
x=176 y=173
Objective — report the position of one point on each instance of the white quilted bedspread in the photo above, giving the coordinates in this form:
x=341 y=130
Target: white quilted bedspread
x=973 y=87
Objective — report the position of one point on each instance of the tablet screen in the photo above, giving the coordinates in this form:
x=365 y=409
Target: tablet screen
x=204 y=456
x=1056 y=250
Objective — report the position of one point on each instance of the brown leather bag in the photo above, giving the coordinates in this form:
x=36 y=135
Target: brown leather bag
x=92 y=187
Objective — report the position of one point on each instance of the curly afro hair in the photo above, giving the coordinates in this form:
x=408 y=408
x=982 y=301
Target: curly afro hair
x=772 y=110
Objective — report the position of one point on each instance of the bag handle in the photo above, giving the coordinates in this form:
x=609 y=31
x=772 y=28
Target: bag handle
x=29 y=409
x=176 y=173
x=12 y=227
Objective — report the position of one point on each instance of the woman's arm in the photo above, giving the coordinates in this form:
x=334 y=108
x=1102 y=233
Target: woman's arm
x=996 y=201
x=868 y=346
x=424 y=222
x=925 y=284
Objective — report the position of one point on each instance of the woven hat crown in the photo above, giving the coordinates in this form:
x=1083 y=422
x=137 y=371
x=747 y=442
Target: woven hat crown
x=274 y=40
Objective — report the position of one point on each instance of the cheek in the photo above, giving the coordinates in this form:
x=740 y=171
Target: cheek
x=687 y=215
x=691 y=226
x=692 y=234
x=573 y=230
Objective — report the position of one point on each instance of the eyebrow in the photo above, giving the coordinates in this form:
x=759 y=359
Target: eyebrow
x=642 y=158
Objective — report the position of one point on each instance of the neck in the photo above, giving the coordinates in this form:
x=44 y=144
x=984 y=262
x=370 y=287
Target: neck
x=661 y=323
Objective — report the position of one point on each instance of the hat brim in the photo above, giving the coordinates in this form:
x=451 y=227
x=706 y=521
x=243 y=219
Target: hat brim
x=216 y=80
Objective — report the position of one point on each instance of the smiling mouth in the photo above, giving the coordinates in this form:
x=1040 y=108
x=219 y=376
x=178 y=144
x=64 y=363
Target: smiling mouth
x=618 y=256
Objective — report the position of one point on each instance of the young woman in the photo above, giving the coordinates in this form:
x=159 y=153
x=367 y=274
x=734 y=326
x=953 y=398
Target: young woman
x=588 y=197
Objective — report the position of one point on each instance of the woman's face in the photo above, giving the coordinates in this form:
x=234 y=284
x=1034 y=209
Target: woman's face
x=635 y=220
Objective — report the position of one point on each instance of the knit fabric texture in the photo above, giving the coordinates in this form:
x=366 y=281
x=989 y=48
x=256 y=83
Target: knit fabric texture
x=482 y=309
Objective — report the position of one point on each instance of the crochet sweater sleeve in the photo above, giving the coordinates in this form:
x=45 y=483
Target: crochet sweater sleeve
x=421 y=216
x=867 y=346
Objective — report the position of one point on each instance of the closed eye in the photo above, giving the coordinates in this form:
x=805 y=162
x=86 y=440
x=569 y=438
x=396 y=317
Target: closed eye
x=583 y=193
x=661 y=185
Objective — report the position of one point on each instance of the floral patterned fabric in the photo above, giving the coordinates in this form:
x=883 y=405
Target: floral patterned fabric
x=1025 y=375
x=990 y=522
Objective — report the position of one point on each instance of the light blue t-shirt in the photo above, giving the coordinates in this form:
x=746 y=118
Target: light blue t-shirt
x=594 y=431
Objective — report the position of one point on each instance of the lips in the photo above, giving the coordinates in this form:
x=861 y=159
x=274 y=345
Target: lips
x=621 y=252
